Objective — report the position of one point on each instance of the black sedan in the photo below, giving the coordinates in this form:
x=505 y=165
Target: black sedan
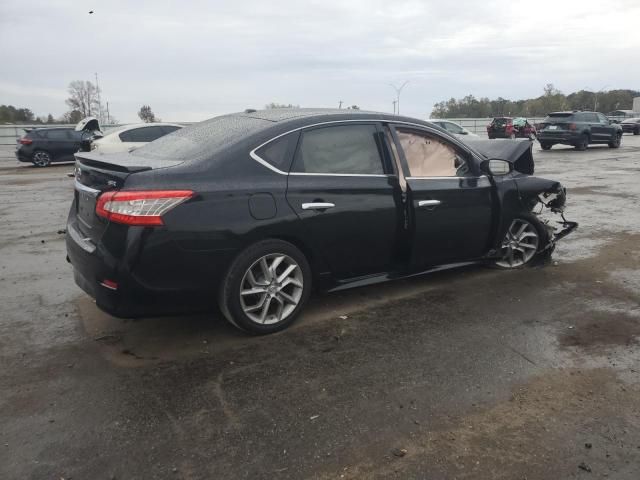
x=631 y=125
x=250 y=210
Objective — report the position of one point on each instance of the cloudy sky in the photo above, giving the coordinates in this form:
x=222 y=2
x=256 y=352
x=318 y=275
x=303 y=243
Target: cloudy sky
x=192 y=60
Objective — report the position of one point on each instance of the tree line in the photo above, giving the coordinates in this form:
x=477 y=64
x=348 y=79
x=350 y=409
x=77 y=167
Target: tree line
x=551 y=100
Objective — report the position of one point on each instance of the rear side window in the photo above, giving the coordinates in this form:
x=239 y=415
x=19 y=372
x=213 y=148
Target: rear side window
x=501 y=122
x=346 y=149
x=590 y=118
x=430 y=156
x=142 y=134
x=169 y=128
x=279 y=151
x=56 y=134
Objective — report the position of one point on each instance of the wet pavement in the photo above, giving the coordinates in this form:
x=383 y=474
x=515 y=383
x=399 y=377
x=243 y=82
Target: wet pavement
x=468 y=374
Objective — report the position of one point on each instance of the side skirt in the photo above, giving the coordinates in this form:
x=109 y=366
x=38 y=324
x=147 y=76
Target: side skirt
x=390 y=276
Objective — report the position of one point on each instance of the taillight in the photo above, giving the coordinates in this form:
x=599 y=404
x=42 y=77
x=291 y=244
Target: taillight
x=572 y=126
x=26 y=141
x=144 y=207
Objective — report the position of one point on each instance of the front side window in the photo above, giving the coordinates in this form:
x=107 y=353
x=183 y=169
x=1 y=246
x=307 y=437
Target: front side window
x=345 y=149
x=430 y=156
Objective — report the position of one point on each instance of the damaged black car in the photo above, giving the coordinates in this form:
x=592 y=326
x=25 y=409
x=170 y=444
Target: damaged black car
x=251 y=211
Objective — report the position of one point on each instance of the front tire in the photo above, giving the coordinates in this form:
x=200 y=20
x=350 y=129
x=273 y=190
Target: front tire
x=266 y=287
x=546 y=146
x=41 y=159
x=525 y=240
x=615 y=143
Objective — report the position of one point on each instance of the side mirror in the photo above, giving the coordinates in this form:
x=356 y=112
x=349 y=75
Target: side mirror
x=496 y=167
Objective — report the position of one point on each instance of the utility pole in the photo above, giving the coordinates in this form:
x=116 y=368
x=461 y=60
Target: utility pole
x=394 y=106
x=398 y=92
x=108 y=119
x=340 y=105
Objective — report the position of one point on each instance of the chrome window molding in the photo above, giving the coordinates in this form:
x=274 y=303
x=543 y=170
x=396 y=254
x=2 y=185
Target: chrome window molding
x=263 y=162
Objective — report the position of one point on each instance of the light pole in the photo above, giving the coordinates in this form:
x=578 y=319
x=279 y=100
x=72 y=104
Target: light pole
x=398 y=92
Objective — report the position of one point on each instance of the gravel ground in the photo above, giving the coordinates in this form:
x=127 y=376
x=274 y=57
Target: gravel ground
x=467 y=374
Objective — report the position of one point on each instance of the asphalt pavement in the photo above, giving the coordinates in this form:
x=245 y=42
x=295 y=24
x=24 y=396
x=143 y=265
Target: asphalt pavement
x=467 y=374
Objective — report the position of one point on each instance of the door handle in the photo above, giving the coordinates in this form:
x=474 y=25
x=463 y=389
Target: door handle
x=429 y=203
x=317 y=205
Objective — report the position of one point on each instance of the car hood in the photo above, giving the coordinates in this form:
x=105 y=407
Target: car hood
x=517 y=152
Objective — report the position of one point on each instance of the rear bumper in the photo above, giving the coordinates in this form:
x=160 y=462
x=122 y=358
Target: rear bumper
x=176 y=290
x=569 y=138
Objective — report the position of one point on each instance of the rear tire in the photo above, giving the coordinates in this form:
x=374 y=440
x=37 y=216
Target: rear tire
x=615 y=143
x=583 y=142
x=265 y=287
x=546 y=146
x=41 y=158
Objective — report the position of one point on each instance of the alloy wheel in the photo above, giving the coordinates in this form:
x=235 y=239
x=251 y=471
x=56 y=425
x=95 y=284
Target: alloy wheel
x=41 y=159
x=271 y=289
x=519 y=245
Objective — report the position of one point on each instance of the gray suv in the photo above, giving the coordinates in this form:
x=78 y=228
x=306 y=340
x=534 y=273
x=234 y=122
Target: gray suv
x=579 y=129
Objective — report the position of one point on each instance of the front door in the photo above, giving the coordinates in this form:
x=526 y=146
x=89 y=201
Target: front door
x=601 y=128
x=450 y=203
x=346 y=197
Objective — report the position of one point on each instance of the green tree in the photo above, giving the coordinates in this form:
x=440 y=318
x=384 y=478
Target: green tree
x=273 y=105
x=147 y=115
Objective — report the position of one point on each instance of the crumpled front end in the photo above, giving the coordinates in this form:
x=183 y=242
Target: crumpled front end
x=546 y=199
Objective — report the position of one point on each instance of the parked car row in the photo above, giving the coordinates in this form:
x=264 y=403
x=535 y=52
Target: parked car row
x=508 y=127
x=251 y=211
x=43 y=146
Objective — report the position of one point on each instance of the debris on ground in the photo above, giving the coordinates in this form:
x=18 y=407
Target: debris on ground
x=585 y=467
x=399 y=452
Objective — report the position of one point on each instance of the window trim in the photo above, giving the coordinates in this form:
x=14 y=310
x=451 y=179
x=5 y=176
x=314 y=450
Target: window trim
x=386 y=122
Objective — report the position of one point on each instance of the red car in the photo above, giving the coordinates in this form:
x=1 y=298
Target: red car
x=508 y=127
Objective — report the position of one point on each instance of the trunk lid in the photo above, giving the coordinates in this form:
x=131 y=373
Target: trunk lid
x=91 y=180
x=96 y=173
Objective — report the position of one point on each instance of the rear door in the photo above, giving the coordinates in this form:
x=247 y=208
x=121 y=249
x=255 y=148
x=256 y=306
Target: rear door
x=450 y=203
x=346 y=197
x=61 y=143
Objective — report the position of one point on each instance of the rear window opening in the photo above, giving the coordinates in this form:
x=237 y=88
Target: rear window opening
x=501 y=122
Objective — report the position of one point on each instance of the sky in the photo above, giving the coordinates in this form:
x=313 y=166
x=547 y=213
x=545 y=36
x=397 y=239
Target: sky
x=193 y=60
